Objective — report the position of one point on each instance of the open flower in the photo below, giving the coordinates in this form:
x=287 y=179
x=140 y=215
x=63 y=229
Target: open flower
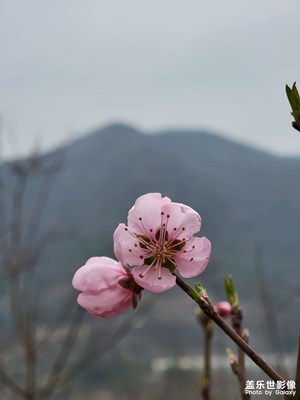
x=107 y=289
x=158 y=239
x=223 y=308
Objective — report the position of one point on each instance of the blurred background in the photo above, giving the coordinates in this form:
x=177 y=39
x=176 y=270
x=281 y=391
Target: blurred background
x=102 y=102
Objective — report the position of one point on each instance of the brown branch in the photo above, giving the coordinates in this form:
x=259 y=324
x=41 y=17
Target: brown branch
x=106 y=345
x=206 y=380
x=236 y=370
x=63 y=355
x=10 y=383
x=207 y=329
x=238 y=367
x=203 y=302
x=42 y=197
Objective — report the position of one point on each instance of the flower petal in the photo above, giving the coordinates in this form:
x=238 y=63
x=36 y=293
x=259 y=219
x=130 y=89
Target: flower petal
x=109 y=302
x=150 y=280
x=126 y=247
x=145 y=216
x=117 y=310
x=97 y=274
x=103 y=261
x=192 y=261
x=182 y=221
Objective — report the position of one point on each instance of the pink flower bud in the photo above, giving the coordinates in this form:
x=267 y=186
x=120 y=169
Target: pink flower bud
x=105 y=287
x=223 y=308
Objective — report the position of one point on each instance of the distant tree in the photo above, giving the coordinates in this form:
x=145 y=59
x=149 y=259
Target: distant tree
x=39 y=353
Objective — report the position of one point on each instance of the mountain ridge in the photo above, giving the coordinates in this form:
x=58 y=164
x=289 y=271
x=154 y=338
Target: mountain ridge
x=247 y=198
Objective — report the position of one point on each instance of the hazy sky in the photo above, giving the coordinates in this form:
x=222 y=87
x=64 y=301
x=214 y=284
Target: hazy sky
x=67 y=66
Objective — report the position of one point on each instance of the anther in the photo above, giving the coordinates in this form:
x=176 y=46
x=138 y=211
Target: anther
x=141 y=257
x=168 y=216
x=125 y=229
x=183 y=228
x=162 y=213
x=174 y=229
x=140 y=218
x=129 y=250
x=191 y=259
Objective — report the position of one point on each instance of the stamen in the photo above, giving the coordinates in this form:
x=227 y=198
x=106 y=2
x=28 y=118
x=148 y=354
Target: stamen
x=130 y=233
x=178 y=233
x=148 y=269
x=149 y=246
x=179 y=243
x=188 y=251
x=165 y=235
x=159 y=272
x=161 y=232
x=143 y=226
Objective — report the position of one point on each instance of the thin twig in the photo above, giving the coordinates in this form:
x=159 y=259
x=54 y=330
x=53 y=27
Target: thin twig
x=10 y=383
x=206 y=380
x=205 y=305
x=239 y=367
x=63 y=355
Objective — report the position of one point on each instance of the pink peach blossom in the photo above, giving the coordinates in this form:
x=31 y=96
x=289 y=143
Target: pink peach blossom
x=158 y=239
x=106 y=287
x=223 y=308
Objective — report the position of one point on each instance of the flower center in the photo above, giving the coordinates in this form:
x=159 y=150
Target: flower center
x=159 y=251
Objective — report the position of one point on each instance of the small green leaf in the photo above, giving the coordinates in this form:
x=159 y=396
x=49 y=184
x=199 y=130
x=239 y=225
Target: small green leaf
x=296 y=96
x=294 y=100
x=199 y=288
x=290 y=96
x=230 y=291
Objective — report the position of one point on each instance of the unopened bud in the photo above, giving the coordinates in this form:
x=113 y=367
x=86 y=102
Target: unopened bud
x=246 y=335
x=231 y=357
x=223 y=308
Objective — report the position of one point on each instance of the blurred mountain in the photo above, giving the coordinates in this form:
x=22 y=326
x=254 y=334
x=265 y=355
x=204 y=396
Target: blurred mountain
x=248 y=200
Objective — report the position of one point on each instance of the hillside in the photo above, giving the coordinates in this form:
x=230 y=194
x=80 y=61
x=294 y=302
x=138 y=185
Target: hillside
x=248 y=200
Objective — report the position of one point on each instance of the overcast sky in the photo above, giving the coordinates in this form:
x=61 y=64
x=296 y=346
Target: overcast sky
x=68 y=66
